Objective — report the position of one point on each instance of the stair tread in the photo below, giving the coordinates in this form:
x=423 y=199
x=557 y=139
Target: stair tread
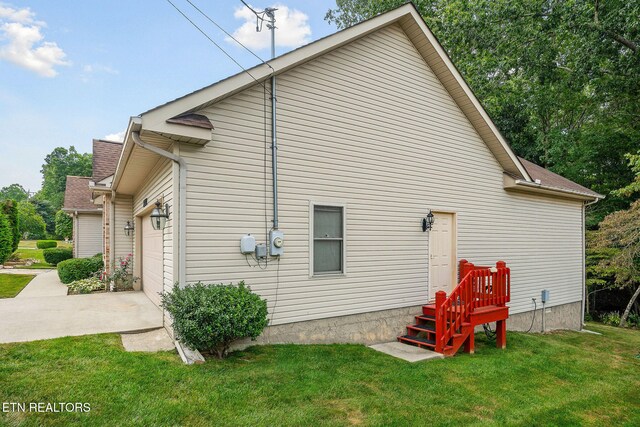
x=430 y=328
x=419 y=340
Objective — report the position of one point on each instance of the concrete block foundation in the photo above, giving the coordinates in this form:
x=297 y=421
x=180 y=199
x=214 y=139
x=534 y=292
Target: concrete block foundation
x=565 y=316
x=384 y=326
x=365 y=328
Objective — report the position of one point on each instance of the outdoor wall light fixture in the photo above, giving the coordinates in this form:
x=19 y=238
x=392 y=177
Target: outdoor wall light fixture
x=159 y=216
x=128 y=228
x=427 y=222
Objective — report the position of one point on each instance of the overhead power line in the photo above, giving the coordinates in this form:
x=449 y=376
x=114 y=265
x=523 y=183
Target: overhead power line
x=227 y=33
x=217 y=45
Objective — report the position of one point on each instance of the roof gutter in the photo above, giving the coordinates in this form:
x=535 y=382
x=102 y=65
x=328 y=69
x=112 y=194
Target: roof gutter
x=511 y=183
x=135 y=123
x=77 y=211
x=182 y=200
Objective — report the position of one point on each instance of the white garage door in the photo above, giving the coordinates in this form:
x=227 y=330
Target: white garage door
x=89 y=235
x=152 y=265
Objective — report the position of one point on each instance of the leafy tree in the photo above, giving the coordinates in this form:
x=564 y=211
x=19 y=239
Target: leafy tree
x=32 y=225
x=6 y=238
x=14 y=192
x=10 y=209
x=64 y=225
x=634 y=187
x=57 y=165
x=45 y=209
x=561 y=79
x=619 y=234
x=601 y=275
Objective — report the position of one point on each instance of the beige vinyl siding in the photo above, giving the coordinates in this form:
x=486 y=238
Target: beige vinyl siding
x=89 y=235
x=123 y=244
x=368 y=126
x=158 y=185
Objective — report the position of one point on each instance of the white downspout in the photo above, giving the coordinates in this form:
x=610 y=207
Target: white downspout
x=112 y=232
x=182 y=202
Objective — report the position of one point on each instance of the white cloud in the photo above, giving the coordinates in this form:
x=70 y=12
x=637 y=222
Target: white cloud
x=118 y=136
x=24 y=16
x=292 y=29
x=99 y=68
x=90 y=70
x=22 y=42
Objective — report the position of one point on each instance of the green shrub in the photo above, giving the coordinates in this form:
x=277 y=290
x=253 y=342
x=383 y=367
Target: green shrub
x=633 y=320
x=85 y=286
x=46 y=244
x=612 y=318
x=211 y=317
x=6 y=238
x=10 y=209
x=78 y=269
x=55 y=255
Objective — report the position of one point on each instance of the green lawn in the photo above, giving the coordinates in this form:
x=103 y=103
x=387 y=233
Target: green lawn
x=12 y=284
x=27 y=250
x=564 y=378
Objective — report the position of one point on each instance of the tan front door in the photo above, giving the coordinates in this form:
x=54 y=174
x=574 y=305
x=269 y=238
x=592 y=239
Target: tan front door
x=442 y=250
x=152 y=261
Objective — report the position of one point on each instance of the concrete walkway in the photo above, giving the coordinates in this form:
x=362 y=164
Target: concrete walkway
x=32 y=271
x=43 y=310
x=152 y=341
x=406 y=352
x=45 y=284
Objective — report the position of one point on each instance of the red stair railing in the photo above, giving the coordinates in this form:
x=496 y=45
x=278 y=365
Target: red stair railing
x=479 y=287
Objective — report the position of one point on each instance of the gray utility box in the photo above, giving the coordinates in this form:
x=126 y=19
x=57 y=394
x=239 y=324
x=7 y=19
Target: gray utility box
x=261 y=250
x=276 y=239
x=544 y=296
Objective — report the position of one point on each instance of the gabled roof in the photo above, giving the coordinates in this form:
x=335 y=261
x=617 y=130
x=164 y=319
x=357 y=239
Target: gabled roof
x=178 y=119
x=77 y=195
x=105 y=158
x=408 y=17
x=553 y=180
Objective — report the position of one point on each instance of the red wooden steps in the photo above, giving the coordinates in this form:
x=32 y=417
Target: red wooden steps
x=420 y=342
x=480 y=297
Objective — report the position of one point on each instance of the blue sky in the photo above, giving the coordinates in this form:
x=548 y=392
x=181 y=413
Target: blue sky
x=71 y=71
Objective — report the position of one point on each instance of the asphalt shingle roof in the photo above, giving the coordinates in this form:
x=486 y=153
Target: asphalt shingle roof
x=77 y=194
x=550 y=179
x=105 y=158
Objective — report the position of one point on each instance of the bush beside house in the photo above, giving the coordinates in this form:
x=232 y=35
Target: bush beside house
x=46 y=244
x=210 y=317
x=86 y=286
x=56 y=255
x=79 y=268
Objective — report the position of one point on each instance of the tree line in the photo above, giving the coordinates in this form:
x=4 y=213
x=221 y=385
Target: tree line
x=561 y=80
x=39 y=215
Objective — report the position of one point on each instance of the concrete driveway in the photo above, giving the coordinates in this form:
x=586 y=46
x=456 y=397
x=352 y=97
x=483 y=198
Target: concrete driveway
x=43 y=310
